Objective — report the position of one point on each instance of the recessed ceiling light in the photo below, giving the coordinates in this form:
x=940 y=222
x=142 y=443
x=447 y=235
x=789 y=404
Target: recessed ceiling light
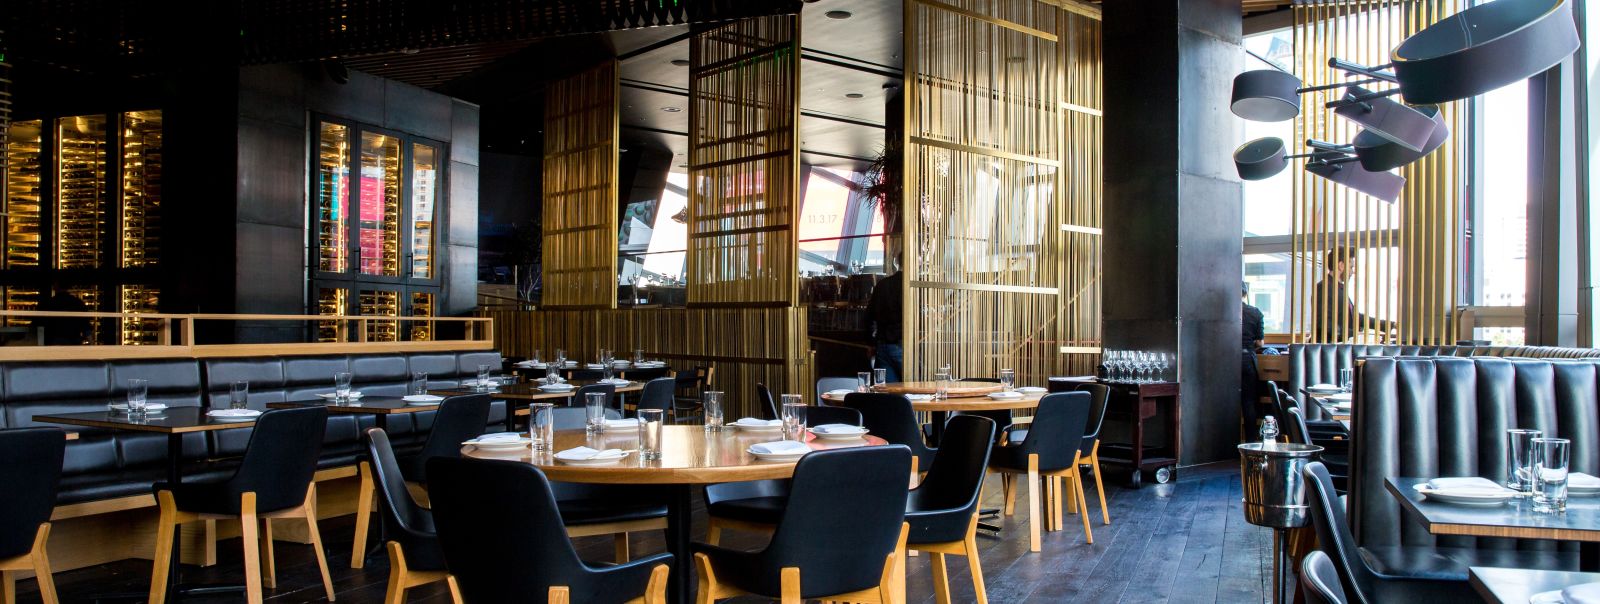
x=672 y=109
x=837 y=14
x=681 y=62
x=854 y=95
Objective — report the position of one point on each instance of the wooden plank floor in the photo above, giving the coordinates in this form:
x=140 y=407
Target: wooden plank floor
x=1180 y=542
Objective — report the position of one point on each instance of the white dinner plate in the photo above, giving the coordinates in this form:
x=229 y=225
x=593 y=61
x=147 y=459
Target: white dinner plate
x=776 y=457
x=249 y=417
x=1005 y=396
x=1032 y=390
x=148 y=408
x=593 y=462
x=556 y=387
x=840 y=435
x=758 y=428
x=422 y=399
x=353 y=395
x=1484 y=499
x=501 y=445
x=1323 y=389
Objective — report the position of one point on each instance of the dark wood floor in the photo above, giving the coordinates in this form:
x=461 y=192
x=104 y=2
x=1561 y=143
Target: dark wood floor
x=1180 y=542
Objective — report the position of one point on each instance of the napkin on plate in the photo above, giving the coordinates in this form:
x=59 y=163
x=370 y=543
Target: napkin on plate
x=632 y=422
x=497 y=437
x=840 y=392
x=1322 y=387
x=585 y=453
x=556 y=386
x=1466 y=485
x=233 y=413
x=1005 y=395
x=837 y=429
x=919 y=397
x=1582 y=481
x=594 y=366
x=527 y=364
x=1343 y=397
x=615 y=382
x=421 y=398
x=781 y=447
x=354 y=394
x=1583 y=593
x=751 y=422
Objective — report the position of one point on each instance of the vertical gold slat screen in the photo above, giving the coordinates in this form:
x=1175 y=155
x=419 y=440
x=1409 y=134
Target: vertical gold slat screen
x=995 y=278
x=744 y=345
x=744 y=162
x=1415 y=241
x=1082 y=76
x=580 y=190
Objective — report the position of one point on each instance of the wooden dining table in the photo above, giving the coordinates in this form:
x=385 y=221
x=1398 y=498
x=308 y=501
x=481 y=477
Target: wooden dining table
x=966 y=399
x=690 y=457
x=517 y=396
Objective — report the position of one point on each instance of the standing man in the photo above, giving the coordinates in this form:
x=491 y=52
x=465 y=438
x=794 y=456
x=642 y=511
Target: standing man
x=1252 y=333
x=1333 y=304
x=885 y=311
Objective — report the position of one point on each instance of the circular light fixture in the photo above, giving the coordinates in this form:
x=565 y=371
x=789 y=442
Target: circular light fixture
x=1483 y=48
x=837 y=14
x=854 y=95
x=1260 y=159
x=681 y=62
x=1266 y=95
x=672 y=109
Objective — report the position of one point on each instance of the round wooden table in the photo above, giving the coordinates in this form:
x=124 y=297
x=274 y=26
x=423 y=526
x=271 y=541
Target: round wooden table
x=967 y=403
x=690 y=456
x=955 y=389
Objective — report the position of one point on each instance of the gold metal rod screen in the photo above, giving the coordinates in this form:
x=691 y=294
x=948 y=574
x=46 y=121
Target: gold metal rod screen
x=580 y=190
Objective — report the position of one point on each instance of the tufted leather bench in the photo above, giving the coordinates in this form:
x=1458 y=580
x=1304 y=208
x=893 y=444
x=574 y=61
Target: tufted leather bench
x=1441 y=416
x=1320 y=363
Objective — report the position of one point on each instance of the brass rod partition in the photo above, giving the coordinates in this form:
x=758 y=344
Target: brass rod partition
x=580 y=189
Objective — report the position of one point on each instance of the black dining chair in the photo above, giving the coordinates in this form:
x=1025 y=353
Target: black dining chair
x=459 y=418
x=273 y=482
x=757 y=505
x=31 y=476
x=1319 y=580
x=586 y=374
x=890 y=417
x=829 y=384
x=414 y=555
x=817 y=415
x=581 y=397
x=1002 y=417
x=657 y=394
x=1321 y=429
x=605 y=509
x=817 y=552
x=943 y=511
x=690 y=385
x=646 y=374
x=1099 y=398
x=1052 y=450
x=764 y=402
x=503 y=539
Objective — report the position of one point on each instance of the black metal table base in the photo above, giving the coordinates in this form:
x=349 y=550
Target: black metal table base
x=680 y=515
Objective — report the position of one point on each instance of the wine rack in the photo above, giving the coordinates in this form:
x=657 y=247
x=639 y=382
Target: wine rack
x=80 y=191
x=424 y=180
x=140 y=332
x=90 y=296
x=381 y=304
x=333 y=197
x=141 y=189
x=24 y=195
x=380 y=205
x=330 y=301
x=421 y=306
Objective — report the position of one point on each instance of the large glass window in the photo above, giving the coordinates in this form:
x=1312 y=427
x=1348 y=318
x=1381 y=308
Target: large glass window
x=652 y=245
x=839 y=230
x=1267 y=203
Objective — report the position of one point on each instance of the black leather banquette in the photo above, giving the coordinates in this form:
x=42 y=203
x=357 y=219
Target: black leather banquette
x=1442 y=416
x=105 y=464
x=1320 y=363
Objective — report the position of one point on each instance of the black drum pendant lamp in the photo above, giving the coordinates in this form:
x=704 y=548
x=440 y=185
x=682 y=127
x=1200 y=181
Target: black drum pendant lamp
x=1467 y=54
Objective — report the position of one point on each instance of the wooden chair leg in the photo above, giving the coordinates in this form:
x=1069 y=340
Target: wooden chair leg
x=708 y=580
x=248 y=525
x=619 y=542
x=1076 y=483
x=1034 y=516
x=713 y=532
x=789 y=583
x=559 y=594
x=166 y=529
x=1008 y=486
x=1055 y=504
x=316 y=540
x=975 y=568
x=269 y=566
x=1072 y=505
x=395 y=592
x=655 y=592
x=1099 y=487
x=941 y=578
x=364 y=496
x=41 y=567
x=8 y=587
x=455 y=590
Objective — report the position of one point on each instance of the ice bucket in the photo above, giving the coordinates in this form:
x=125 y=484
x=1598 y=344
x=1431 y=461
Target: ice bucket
x=1274 y=490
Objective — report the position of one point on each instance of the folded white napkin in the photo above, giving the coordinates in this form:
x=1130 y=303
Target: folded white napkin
x=421 y=398
x=619 y=363
x=353 y=394
x=1583 y=593
x=919 y=397
x=1005 y=395
x=585 y=453
x=1322 y=387
x=497 y=437
x=840 y=392
x=1343 y=397
x=560 y=386
x=1031 y=389
x=594 y=366
x=838 y=429
x=632 y=422
x=233 y=413
x=757 y=423
x=781 y=447
x=147 y=406
x=1466 y=485
x=527 y=364
x=1582 y=481
x=615 y=382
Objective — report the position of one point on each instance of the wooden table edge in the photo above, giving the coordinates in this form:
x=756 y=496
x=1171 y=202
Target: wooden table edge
x=1483 y=530
x=354 y=409
x=89 y=423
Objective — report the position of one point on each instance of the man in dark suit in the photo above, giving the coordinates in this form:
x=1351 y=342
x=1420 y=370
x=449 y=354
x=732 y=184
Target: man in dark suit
x=1334 y=310
x=1252 y=331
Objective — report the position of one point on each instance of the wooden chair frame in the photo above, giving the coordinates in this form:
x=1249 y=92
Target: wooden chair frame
x=655 y=592
x=402 y=578
x=1046 y=493
x=257 y=545
x=890 y=588
x=967 y=546
x=35 y=560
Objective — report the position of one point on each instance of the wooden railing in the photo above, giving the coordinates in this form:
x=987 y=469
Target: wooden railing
x=176 y=336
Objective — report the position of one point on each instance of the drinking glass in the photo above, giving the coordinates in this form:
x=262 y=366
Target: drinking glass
x=483 y=378
x=794 y=418
x=711 y=403
x=535 y=358
x=1141 y=366
x=239 y=395
x=1347 y=379
x=138 y=391
x=1163 y=361
x=1008 y=380
x=945 y=369
x=594 y=406
x=551 y=374
x=638 y=356
x=941 y=389
x=419 y=383
x=863 y=381
x=341 y=386
x=650 y=422
x=1519 y=458
x=541 y=425
x=561 y=358
x=1550 y=474
x=880 y=376
x=607 y=371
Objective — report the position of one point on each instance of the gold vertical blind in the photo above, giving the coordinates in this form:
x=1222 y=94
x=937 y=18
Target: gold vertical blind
x=744 y=162
x=580 y=190
x=1406 y=254
x=1003 y=219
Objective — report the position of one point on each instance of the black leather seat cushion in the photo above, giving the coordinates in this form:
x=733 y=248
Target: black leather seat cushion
x=598 y=503
x=760 y=510
x=1451 y=563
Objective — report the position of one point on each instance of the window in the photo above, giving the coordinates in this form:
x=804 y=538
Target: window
x=652 y=245
x=839 y=230
x=1267 y=204
x=1498 y=263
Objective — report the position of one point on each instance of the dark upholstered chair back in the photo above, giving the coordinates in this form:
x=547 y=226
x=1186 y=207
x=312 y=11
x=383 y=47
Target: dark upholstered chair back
x=1320 y=363
x=1099 y=399
x=1447 y=417
x=1319 y=580
x=282 y=457
x=827 y=384
x=404 y=520
x=30 y=475
x=1333 y=533
x=890 y=417
x=657 y=394
x=819 y=415
x=1060 y=421
x=955 y=482
x=1295 y=427
x=766 y=406
x=459 y=418
x=872 y=479
x=574 y=418
x=581 y=397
